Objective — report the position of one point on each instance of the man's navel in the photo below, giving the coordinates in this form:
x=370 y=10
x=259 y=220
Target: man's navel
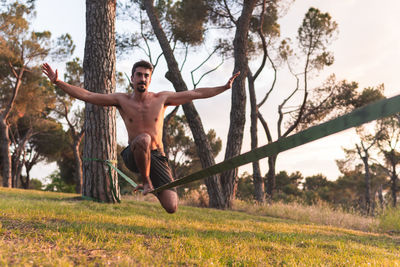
x=130 y=120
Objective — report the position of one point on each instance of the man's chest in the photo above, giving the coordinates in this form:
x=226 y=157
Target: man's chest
x=147 y=112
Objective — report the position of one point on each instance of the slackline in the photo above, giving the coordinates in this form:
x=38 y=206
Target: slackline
x=110 y=164
x=376 y=110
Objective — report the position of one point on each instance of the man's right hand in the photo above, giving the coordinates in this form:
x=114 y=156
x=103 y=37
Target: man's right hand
x=48 y=71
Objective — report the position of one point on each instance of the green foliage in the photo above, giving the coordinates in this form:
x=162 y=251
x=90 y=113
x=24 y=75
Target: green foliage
x=57 y=184
x=270 y=29
x=18 y=46
x=187 y=19
x=35 y=184
x=35 y=136
x=389 y=220
x=316 y=188
x=369 y=95
x=14 y=18
x=49 y=139
x=270 y=25
x=316 y=31
x=65 y=47
x=335 y=98
x=74 y=72
x=66 y=166
x=31 y=114
x=285 y=50
x=182 y=151
x=287 y=186
x=245 y=187
x=126 y=42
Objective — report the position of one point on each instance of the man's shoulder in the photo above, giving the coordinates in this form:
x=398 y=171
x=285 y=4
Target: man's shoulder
x=121 y=95
x=164 y=93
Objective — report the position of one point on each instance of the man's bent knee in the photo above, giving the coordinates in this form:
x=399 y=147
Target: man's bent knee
x=142 y=141
x=171 y=208
x=169 y=201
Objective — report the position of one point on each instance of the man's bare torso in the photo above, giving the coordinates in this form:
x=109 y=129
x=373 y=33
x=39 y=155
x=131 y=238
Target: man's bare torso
x=144 y=115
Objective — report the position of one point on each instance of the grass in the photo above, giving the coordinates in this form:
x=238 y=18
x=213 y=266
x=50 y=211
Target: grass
x=53 y=229
x=389 y=221
x=321 y=214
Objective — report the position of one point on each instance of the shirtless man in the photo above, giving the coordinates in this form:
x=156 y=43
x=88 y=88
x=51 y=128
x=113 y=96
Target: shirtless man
x=143 y=115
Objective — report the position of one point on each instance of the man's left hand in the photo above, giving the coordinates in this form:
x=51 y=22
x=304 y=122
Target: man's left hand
x=230 y=82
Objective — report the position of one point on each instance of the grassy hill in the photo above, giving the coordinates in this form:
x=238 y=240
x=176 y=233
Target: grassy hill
x=53 y=229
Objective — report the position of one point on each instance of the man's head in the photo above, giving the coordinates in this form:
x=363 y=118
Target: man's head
x=141 y=75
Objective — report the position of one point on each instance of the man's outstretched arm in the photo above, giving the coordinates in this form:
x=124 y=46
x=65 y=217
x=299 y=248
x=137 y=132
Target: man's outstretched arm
x=78 y=92
x=180 y=98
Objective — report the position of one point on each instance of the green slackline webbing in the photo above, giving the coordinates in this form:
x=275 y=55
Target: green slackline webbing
x=113 y=189
x=110 y=164
x=377 y=110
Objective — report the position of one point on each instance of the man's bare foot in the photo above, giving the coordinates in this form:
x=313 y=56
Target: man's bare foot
x=139 y=187
x=147 y=188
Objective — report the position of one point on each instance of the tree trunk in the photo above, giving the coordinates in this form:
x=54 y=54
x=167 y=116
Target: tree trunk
x=14 y=183
x=380 y=196
x=18 y=170
x=271 y=177
x=99 y=73
x=258 y=182
x=367 y=184
x=18 y=158
x=393 y=188
x=4 y=128
x=78 y=163
x=238 y=106
x=28 y=167
x=5 y=153
x=216 y=199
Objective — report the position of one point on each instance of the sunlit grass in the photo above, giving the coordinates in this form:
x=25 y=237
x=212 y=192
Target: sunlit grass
x=39 y=228
x=322 y=214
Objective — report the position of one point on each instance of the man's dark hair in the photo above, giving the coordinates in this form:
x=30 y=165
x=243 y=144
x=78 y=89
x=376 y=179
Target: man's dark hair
x=142 y=63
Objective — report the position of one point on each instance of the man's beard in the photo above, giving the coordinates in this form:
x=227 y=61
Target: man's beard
x=141 y=89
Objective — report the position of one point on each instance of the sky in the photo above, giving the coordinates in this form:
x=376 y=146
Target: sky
x=366 y=50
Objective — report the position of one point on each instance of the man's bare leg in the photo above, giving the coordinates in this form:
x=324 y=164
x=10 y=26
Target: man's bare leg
x=168 y=200
x=141 y=151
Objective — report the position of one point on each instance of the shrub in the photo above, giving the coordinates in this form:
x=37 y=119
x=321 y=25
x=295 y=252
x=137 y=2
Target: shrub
x=389 y=220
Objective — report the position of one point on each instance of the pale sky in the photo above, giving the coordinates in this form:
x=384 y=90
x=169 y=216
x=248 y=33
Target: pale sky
x=366 y=51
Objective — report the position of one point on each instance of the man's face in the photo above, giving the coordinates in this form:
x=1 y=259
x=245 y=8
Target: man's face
x=141 y=79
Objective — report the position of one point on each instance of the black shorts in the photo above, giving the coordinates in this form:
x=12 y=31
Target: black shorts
x=160 y=172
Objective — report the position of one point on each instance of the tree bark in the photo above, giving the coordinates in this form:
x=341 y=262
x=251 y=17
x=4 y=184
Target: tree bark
x=367 y=177
x=271 y=175
x=216 y=198
x=367 y=185
x=238 y=106
x=380 y=196
x=18 y=158
x=258 y=182
x=77 y=137
x=100 y=122
x=28 y=167
x=78 y=162
x=4 y=128
x=5 y=153
x=393 y=185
